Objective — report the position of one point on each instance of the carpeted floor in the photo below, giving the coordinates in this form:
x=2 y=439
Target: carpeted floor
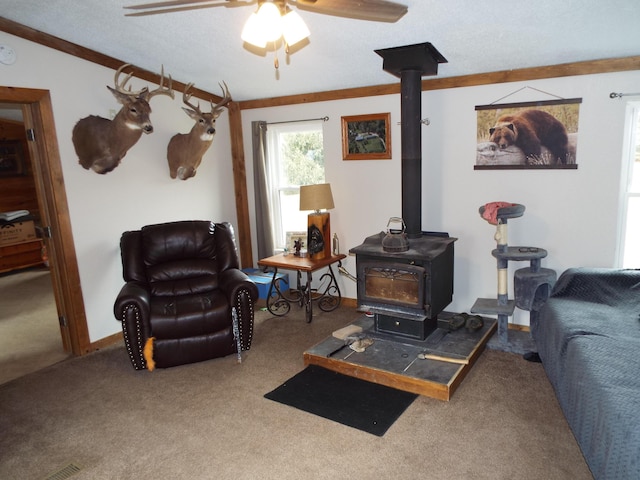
x=211 y=421
x=29 y=332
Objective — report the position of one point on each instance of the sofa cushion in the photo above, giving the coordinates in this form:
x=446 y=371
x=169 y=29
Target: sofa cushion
x=600 y=398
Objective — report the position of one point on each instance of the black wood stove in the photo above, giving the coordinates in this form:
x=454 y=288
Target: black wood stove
x=406 y=290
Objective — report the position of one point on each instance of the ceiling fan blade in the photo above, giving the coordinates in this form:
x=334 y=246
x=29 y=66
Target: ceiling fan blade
x=182 y=5
x=168 y=3
x=375 y=10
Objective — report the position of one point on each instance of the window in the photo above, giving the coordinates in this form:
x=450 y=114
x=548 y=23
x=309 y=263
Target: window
x=630 y=234
x=296 y=157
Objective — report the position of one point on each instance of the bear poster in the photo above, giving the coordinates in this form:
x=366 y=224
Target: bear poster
x=531 y=135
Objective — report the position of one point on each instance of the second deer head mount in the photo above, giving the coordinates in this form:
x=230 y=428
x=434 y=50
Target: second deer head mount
x=185 y=150
x=101 y=143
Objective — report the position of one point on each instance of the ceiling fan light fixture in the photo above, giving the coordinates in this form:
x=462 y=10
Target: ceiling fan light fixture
x=270 y=21
x=294 y=29
x=252 y=33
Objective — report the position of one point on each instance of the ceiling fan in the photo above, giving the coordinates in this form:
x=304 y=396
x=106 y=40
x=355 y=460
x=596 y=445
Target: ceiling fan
x=373 y=10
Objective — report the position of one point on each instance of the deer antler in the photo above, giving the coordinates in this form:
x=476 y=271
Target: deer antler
x=217 y=108
x=162 y=90
x=120 y=87
x=186 y=97
x=144 y=92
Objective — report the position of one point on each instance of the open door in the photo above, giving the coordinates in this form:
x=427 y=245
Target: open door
x=52 y=202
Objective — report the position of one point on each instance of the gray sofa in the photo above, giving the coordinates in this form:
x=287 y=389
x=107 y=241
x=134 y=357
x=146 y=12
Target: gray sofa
x=588 y=338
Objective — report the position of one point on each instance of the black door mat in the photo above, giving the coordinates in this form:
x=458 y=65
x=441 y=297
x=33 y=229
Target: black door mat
x=347 y=400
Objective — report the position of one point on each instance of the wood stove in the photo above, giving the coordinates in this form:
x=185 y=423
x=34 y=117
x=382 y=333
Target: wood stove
x=405 y=290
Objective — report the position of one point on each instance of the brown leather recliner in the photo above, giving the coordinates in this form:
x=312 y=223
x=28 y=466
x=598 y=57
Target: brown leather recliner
x=185 y=299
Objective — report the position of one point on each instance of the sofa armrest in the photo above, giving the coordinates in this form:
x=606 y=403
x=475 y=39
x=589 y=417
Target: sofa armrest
x=606 y=286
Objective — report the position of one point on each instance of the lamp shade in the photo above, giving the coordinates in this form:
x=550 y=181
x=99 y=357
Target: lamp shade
x=316 y=197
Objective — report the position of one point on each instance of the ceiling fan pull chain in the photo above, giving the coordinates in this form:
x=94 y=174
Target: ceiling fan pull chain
x=276 y=62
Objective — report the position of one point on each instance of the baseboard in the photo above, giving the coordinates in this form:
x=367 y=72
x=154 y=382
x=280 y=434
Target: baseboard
x=106 y=342
x=349 y=302
x=520 y=328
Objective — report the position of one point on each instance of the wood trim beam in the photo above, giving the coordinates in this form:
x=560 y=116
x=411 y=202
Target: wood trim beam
x=505 y=76
x=240 y=185
x=84 y=53
x=536 y=73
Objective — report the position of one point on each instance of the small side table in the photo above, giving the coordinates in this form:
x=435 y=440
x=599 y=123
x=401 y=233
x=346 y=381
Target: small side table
x=328 y=295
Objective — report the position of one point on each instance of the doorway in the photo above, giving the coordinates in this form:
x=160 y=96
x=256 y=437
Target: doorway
x=29 y=334
x=38 y=121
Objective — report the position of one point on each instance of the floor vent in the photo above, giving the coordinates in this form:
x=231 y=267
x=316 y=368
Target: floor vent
x=64 y=473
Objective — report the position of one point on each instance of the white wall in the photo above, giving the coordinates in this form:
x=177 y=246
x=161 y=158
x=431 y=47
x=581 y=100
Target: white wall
x=139 y=191
x=573 y=214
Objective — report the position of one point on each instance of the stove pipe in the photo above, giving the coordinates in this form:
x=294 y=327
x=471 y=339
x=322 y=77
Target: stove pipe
x=410 y=63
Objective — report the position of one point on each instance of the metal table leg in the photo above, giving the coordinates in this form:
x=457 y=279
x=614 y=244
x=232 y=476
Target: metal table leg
x=330 y=297
x=327 y=295
x=307 y=299
x=278 y=303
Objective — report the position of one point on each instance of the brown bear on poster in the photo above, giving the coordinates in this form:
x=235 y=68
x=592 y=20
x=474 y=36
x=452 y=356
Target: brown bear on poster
x=530 y=130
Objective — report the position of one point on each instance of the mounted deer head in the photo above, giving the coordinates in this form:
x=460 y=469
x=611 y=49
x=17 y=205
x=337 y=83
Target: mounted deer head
x=185 y=151
x=101 y=143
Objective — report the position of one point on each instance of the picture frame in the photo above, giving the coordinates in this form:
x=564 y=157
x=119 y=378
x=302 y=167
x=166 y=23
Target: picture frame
x=528 y=135
x=291 y=238
x=12 y=161
x=366 y=137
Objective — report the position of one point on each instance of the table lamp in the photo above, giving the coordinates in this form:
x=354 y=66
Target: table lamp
x=316 y=198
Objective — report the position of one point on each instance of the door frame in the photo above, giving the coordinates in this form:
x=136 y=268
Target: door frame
x=37 y=112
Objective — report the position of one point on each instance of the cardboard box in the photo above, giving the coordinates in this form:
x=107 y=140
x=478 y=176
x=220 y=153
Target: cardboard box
x=263 y=281
x=17 y=232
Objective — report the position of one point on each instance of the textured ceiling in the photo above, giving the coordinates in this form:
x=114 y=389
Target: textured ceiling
x=475 y=36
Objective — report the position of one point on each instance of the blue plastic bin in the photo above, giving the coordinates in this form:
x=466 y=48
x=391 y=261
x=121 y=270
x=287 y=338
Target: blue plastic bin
x=263 y=280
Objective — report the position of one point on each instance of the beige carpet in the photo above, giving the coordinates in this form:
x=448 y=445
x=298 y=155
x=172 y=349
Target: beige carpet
x=29 y=331
x=210 y=421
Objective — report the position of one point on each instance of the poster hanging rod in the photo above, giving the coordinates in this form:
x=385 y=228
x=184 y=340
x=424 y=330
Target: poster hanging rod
x=324 y=119
x=620 y=95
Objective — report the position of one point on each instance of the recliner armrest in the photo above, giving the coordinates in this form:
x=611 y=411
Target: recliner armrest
x=242 y=293
x=232 y=280
x=132 y=308
x=132 y=292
